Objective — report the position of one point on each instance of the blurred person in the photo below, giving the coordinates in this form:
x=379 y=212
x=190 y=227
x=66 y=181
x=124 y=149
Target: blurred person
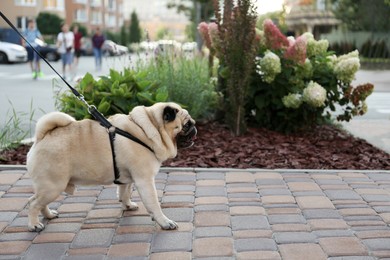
x=65 y=45
x=97 y=44
x=34 y=37
x=77 y=45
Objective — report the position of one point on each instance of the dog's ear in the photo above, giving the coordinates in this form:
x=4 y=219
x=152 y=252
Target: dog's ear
x=169 y=113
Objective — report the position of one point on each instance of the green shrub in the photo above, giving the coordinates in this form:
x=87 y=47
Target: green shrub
x=116 y=93
x=177 y=79
x=187 y=80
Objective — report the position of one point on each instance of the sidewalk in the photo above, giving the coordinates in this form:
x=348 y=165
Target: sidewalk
x=222 y=214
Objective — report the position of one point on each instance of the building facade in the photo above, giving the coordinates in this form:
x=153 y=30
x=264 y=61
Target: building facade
x=313 y=16
x=106 y=14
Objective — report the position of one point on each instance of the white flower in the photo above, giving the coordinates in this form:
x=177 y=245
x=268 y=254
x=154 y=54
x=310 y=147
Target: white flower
x=292 y=100
x=308 y=36
x=269 y=66
x=314 y=94
x=346 y=68
x=316 y=47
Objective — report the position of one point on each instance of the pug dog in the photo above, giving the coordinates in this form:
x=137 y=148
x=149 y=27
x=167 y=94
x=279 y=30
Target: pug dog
x=67 y=152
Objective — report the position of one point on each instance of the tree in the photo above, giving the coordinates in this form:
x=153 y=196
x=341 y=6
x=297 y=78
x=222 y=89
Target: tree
x=134 y=30
x=123 y=36
x=196 y=11
x=49 y=23
x=237 y=47
x=360 y=15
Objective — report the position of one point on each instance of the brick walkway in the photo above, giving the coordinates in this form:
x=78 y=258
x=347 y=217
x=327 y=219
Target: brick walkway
x=222 y=214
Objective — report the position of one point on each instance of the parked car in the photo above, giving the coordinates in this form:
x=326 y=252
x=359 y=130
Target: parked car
x=113 y=49
x=49 y=51
x=10 y=52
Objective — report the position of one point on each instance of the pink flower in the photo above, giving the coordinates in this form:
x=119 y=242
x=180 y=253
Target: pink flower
x=203 y=29
x=274 y=39
x=297 y=51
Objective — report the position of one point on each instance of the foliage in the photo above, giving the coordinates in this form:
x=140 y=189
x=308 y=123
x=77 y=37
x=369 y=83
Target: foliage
x=13 y=132
x=235 y=45
x=360 y=15
x=82 y=29
x=49 y=23
x=135 y=32
x=298 y=83
x=116 y=93
x=195 y=10
x=187 y=81
x=168 y=78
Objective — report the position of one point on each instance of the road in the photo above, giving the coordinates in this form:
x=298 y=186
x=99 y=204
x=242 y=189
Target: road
x=20 y=92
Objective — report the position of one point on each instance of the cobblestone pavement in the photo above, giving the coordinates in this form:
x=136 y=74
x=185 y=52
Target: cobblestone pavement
x=222 y=214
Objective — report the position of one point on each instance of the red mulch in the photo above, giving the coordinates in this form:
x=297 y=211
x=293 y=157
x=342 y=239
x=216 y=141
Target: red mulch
x=324 y=147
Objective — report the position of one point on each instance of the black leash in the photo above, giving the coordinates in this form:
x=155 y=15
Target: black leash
x=112 y=130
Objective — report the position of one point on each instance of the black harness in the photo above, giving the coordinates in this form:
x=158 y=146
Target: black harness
x=112 y=130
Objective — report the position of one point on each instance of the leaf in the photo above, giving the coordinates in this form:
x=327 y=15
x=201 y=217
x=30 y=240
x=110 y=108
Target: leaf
x=103 y=107
x=162 y=94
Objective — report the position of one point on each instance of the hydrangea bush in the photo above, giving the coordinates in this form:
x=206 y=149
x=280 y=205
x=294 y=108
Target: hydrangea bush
x=299 y=83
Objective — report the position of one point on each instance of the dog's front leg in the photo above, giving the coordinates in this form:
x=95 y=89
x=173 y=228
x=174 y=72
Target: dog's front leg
x=147 y=191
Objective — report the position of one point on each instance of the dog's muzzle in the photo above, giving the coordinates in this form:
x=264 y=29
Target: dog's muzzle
x=187 y=136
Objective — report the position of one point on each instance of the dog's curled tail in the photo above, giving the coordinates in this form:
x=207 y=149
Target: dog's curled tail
x=50 y=121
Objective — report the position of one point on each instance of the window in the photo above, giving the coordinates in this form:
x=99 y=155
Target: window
x=96 y=18
x=21 y=22
x=96 y=2
x=110 y=20
x=80 y=15
x=110 y=5
x=321 y=5
x=53 y=4
x=80 y=1
x=26 y=2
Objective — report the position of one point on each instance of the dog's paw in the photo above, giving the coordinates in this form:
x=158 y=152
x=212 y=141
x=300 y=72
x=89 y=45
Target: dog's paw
x=130 y=206
x=169 y=224
x=51 y=214
x=36 y=228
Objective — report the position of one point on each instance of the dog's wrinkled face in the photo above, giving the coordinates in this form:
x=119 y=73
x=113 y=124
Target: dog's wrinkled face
x=181 y=124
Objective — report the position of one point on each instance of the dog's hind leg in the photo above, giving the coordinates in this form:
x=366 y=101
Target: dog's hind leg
x=124 y=194
x=38 y=203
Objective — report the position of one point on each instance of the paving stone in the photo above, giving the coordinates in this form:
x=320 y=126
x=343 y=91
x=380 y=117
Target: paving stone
x=283 y=210
x=247 y=210
x=211 y=200
x=342 y=195
x=290 y=227
x=62 y=227
x=179 y=214
x=374 y=197
x=373 y=191
x=266 y=182
x=245 y=189
x=54 y=238
x=213 y=232
x=236 y=177
x=9 y=179
x=357 y=212
x=207 y=191
x=303 y=186
x=334 y=233
x=302 y=251
x=252 y=234
x=171 y=255
x=208 y=183
x=325 y=224
x=93 y=238
x=314 y=202
x=84 y=257
x=376 y=244
x=285 y=218
x=270 y=192
x=46 y=251
x=208 y=218
x=180 y=188
x=132 y=238
x=258 y=255
x=13 y=247
x=255 y=244
x=17 y=236
x=321 y=213
x=171 y=241
x=294 y=237
x=248 y=195
x=127 y=250
x=12 y=204
x=8 y=216
x=179 y=198
x=249 y=222
x=210 y=176
x=108 y=194
x=343 y=246
x=278 y=199
x=268 y=175
x=212 y=207
x=136 y=220
x=181 y=178
x=212 y=247
x=75 y=207
x=105 y=213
